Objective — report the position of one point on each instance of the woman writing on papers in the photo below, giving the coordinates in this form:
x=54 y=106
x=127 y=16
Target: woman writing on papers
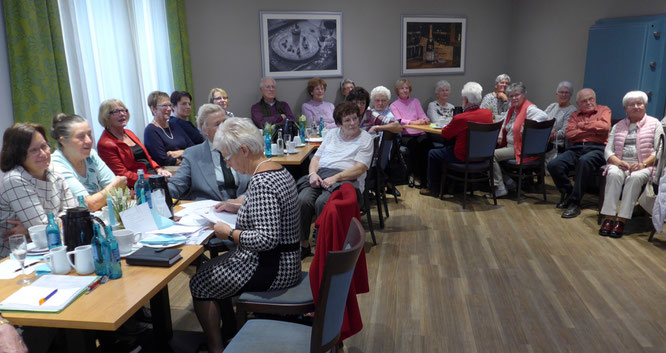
x=267 y=232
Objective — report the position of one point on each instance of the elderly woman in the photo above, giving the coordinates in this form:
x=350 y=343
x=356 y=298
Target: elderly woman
x=30 y=189
x=182 y=106
x=220 y=97
x=267 y=256
x=75 y=160
x=345 y=87
x=166 y=142
x=316 y=108
x=379 y=117
x=509 y=141
x=560 y=111
x=630 y=159
x=497 y=101
x=440 y=111
x=194 y=179
x=408 y=111
x=344 y=156
x=120 y=148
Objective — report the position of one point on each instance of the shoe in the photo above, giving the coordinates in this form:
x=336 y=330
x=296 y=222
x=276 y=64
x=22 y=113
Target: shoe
x=392 y=190
x=305 y=252
x=606 y=228
x=618 y=230
x=564 y=201
x=500 y=191
x=572 y=211
x=428 y=192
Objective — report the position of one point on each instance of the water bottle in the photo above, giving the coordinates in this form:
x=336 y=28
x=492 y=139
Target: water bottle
x=98 y=251
x=267 y=142
x=280 y=143
x=142 y=190
x=113 y=254
x=301 y=132
x=82 y=202
x=321 y=126
x=53 y=233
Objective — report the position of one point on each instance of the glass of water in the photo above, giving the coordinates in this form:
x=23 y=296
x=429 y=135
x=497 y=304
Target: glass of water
x=19 y=247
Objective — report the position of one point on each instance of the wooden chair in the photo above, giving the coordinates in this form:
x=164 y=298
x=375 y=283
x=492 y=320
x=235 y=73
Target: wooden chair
x=535 y=144
x=481 y=141
x=260 y=335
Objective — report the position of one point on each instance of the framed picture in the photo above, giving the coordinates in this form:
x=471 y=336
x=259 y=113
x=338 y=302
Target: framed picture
x=433 y=45
x=301 y=44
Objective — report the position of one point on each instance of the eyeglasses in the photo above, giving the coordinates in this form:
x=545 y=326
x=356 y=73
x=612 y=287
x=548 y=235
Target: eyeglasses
x=118 y=111
x=635 y=104
x=165 y=106
x=226 y=160
x=269 y=87
x=217 y=99
x=566 y=93
x=35 y=151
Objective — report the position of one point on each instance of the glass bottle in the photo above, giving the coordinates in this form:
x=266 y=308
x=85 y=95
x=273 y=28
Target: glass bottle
x=321 y=126
x=430 y=49
x=142 y=189
x=82 y=202
x=267 y=142
x=113 y=254
x=101 y=266
x=280 y=143
x=53 y=233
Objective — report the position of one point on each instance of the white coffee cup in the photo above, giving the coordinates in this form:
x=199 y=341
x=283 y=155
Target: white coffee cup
x=56 y=259
x=125 y=238
x=38 y=236
x=83 y=259
x=291 y=147
x=297 y=140
x=274 y=150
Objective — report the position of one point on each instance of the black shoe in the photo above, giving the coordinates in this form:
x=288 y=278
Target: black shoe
x=394 y=191
x=305 y=252
x=564 y=201
x=572 y=211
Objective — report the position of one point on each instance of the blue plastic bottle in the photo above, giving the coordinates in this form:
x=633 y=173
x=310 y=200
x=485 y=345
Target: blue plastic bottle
x=321 y=125
x=142 y=190
x=267 y=141
x=82 y=202
x=113 y=254
x=53 y=233
x=101 y=266
x=301 y=132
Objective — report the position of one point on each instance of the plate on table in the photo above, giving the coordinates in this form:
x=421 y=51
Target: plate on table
x=163 y=246
x=314 y=139
x=299 y=146
x=32 y=249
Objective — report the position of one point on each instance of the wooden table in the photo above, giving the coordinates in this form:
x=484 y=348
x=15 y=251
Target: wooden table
x=296 y=158
x=111 y=304
x=425 y=128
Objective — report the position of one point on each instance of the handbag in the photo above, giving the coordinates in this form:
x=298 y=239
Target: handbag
x=647 y=198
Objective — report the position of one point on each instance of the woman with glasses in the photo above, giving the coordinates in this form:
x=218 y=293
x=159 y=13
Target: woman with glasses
x=120 y=148
x=182 y=106
x=316 y=108
x=165 y=142
x=30 y=189
x=75 y=160
x=560 y=111
x=220 y=97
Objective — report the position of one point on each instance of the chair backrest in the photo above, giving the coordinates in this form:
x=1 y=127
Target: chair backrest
x=385 y=148
x=535 y=137
x=481 y=140
x=660 y=153
x=338 y=272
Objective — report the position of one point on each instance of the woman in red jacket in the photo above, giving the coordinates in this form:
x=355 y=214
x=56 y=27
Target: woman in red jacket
x=120 y=148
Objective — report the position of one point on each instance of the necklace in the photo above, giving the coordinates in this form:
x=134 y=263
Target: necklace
x=259 y=164
x=164 y=131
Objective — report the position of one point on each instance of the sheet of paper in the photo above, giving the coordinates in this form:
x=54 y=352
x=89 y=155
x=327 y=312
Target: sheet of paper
x=199 y=237
x=214 y=217
x=199 y=204
x=8 y=268
x=138 y=218
x=31 y=295
x=193 y=219
x=177 y=229
x=159 y=203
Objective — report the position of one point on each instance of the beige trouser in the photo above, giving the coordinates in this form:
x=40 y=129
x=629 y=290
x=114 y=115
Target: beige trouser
x=501 y=154
x=633 y=186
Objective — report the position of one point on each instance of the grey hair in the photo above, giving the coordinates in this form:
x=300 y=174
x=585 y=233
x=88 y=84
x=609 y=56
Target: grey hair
x=473 y=92
x=380 y=90
x=631 y=95
x=441 y=84
x=566 y=84
x=515 y=87
x=205 y=110
x=342 y=84
x=261 y=82
x=62 y=126
x=237 y=132
x=502 y=77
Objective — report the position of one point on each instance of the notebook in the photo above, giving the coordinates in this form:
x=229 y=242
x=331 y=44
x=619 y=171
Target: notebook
x=27 y=298
x=154 y=257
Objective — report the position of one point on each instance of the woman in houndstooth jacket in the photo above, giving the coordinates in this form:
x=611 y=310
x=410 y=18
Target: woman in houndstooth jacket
x=267 y=231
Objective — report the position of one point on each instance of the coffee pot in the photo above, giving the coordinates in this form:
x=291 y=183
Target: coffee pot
x=158 y=185
x=78 y=227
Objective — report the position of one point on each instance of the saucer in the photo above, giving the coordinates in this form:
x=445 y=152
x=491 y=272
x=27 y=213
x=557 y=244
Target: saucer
x=299 y=146
x=32 y=249
x=290 y=152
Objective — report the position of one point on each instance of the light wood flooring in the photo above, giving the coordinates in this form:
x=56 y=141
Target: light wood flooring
x=506 y=278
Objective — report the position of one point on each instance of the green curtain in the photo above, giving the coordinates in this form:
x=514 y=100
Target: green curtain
x=38 y=68
x=179 y=45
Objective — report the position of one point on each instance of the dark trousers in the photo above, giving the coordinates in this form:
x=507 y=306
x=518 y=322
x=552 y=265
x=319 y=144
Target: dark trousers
x=585 y=160
x=417 y=161
x=437 y=157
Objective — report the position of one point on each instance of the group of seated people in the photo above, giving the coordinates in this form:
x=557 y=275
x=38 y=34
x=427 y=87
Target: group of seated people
x=222 y=158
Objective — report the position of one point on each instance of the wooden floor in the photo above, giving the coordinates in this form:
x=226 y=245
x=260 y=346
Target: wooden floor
x=506 y=278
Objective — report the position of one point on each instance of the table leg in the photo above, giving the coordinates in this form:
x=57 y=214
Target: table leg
x=161 y=313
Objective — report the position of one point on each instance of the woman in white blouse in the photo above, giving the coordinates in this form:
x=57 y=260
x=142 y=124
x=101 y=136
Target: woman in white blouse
x=440 y=111
x=29 y=189
x=560 y=111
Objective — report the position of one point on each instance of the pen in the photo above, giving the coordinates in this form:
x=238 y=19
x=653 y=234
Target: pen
x=26 y=266
x=94 y=285
x=43 y=300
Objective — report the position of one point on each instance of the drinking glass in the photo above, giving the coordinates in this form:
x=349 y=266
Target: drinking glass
x=19 y=247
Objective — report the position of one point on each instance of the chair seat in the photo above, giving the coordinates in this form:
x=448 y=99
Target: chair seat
x=513 y=162
x=263 y=336
x=470 y=167
x=299 y=294
x=220 y=244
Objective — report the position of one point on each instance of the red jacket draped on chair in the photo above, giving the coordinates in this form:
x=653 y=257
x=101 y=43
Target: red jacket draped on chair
x=333 y=224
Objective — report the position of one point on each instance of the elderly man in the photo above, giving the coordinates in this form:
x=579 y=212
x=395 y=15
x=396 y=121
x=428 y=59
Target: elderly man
x=587 y=131
x=509 y=141
x=456 y=129
x=203 y=172
x=269 y=109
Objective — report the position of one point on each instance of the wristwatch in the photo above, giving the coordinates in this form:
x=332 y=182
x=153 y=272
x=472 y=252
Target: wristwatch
x=231 y=234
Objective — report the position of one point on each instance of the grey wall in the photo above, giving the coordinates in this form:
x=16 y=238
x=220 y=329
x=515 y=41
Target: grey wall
x=226 y=53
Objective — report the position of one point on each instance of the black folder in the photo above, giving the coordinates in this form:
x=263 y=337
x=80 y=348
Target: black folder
x=146 y=256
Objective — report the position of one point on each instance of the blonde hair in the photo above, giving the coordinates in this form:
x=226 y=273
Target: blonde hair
x=105 y=110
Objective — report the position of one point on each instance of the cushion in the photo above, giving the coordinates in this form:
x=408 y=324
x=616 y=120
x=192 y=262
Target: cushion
x=271 y=336
x=301 y=293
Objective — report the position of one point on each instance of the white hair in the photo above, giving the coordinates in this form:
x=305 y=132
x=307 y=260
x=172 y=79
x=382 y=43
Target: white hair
x=345 y=81
x=380 y=90
x=515 y=87
x=473 y=92
x=237 y=132
x=261 y=83
x=441 y=84
x=631 y=95
x=566 y=84
x=205 y=110
x=502 y=77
